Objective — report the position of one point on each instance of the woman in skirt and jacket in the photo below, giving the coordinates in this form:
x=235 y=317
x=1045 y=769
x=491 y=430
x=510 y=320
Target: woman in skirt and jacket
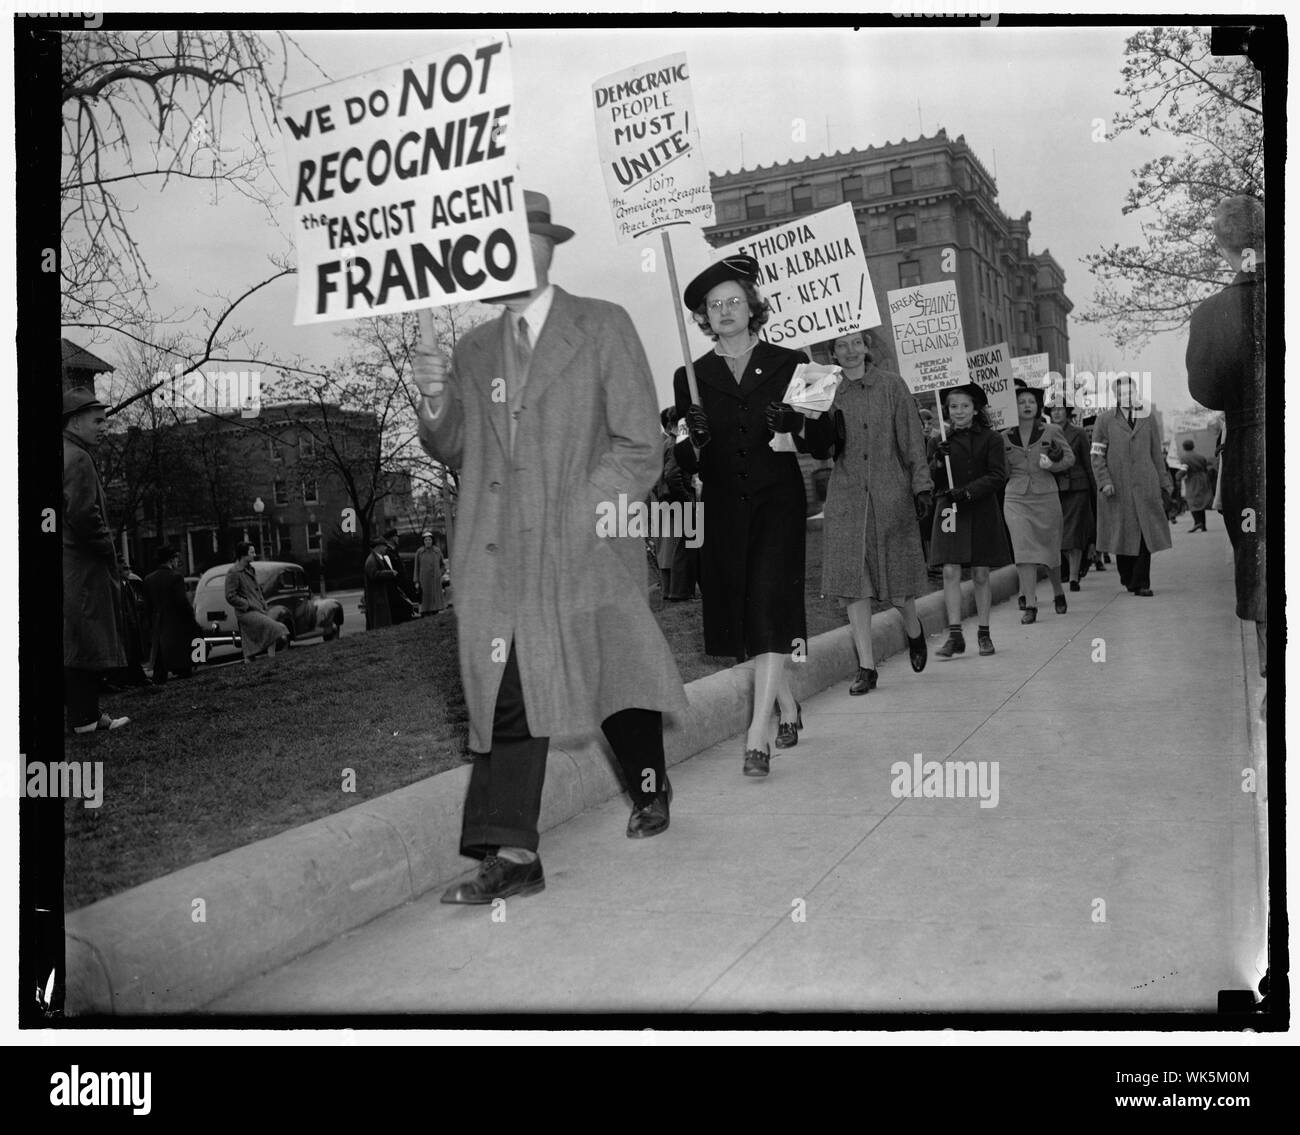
x=880 y=485
x=1031 y=501
x=752 y=555
x=1077 y=490
x=968 y=530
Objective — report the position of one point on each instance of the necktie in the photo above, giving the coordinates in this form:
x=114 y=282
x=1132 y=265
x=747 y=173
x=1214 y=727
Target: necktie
x=523 y=347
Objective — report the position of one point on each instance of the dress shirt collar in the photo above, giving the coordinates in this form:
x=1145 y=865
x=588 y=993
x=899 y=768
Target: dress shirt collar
x=536 y=313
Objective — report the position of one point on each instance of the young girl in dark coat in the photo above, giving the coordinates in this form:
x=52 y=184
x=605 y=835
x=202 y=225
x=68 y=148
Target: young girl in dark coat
x=968 y=529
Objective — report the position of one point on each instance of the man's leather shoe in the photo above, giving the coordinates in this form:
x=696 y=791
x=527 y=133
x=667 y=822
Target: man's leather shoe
x=953 y=644
x=652 y=817
x=1145 y=592
x=758 y=762
x=864 y=683
x=985 y=643
x=498 y=878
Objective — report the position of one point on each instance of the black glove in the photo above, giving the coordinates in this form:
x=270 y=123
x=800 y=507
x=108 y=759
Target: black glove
x=782 y=419
x=923 y=503
x=697 y=424
x=1055 y=452
x=943 y=448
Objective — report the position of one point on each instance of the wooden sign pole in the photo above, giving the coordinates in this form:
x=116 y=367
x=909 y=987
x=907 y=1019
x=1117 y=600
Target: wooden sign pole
x=681 y=319
x=943 y=436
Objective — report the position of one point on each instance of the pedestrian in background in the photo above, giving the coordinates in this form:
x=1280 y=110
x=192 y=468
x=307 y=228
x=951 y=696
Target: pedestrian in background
x=171 y=618
x=259 y=633
x=428 y=575
x=678 y=562
x=92 y=588
x=752 y=558
x=968 y=529
x=1077 y=490
x=402 y=604
x=379 y=576
x=880 y=488
x=1196 y=484
x=1035 y=452
x=1133 y=479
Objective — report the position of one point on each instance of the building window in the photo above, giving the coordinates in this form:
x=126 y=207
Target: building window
x=313 y=537
x=901 y=179
x=273 y=449
x=309 y=492
x=281 y=492
x=909 y=274
x=905 y=228
x=801 y=198
x=283 y=540
x=306 y=446
x=755 y=206
x=1039 y=340
x=1022 y=322
x=1000 y=335
x=851 y=187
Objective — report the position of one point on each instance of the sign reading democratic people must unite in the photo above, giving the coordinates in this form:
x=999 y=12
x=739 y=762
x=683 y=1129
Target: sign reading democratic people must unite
x=991 y=368
x=649 y=146
x=814 y=274
x=405 y=185
x=1032 y=371
x=928 y=336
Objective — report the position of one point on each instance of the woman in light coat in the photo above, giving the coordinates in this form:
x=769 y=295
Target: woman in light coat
x=1031 y=504
x=428 y=575
x=258 y=632
x=879 y=488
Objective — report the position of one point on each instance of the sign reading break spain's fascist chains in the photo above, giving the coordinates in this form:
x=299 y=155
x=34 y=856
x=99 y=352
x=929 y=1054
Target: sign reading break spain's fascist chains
x=928 y=336
x=814 y=274
x=649 y=146
x=406 y=189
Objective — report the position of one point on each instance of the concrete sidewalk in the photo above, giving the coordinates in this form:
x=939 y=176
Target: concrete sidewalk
x=1117 y=871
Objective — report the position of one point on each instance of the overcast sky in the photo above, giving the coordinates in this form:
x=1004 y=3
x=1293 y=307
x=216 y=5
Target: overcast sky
x=1026 y=100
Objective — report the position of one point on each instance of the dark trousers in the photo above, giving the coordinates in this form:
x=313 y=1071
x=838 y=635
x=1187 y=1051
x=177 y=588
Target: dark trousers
x=1198 y=516
x=505 y=786
x=81 y=695
x=1135 y=571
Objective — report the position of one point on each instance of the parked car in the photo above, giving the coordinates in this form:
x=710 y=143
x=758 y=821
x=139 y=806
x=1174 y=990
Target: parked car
x=288 y=597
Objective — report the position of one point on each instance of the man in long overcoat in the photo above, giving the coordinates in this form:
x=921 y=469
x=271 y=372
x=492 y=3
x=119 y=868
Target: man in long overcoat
x=379 y=576
x=1226 y=371
x=1132 y=478
x=556 y=637
x=171 y=617
x=92 y=588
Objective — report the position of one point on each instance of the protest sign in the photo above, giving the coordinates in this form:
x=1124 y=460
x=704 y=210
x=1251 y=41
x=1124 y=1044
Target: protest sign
x=1032 y=371
x=990 y=368
x=928 y=336
x=814 y=274
x=649 y=145
x=406 y=192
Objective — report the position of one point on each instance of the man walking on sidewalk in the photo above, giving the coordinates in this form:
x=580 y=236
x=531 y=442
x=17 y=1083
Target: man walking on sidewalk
x=550 y=414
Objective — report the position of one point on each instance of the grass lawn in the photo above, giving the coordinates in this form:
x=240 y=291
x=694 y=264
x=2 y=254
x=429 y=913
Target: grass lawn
x=241 y=752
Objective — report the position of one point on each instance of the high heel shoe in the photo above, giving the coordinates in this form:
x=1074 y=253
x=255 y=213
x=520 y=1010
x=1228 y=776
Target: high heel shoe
x=798 y=713
x=1060 y=604
x=787 y=732
x=864 y=683
x=757 y=761
x=1030 y=615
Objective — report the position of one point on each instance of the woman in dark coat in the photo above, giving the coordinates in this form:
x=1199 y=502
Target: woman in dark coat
x=879 y=488
x=968 y=529
x=171 y=617
x=379 y=577
x=1077 y=490
x=1196 y=484
x=752 y=556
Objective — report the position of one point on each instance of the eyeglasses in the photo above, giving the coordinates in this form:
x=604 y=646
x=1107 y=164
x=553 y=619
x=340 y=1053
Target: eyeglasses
x=727 y=304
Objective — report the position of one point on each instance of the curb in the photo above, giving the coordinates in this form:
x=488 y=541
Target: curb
x=142 y=952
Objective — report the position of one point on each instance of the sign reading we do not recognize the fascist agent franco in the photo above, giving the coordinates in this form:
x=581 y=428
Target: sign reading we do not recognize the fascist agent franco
x=406 y=192
x=814 y=274
x=928 y=336
x=649 y=148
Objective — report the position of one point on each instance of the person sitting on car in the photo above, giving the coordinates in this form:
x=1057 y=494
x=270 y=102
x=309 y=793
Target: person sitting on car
x=258 y=631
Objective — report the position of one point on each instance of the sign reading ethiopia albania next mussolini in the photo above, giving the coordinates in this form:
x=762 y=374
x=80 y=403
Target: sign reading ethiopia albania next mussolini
x=649 y=147
x=405 y=187
x=814 y=274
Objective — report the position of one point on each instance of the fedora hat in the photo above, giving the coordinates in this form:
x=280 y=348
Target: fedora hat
x=737 y=267
x=972 y=389
x=78 y=399
x=538 y=208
